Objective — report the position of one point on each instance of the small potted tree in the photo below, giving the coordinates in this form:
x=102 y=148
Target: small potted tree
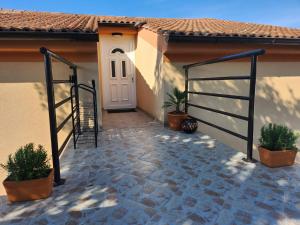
x=29 y=174
x=176 y=100
x=277 y=146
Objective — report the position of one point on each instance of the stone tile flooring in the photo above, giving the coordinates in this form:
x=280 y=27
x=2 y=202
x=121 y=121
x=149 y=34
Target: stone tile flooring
x=125 y=120
x=152 y=175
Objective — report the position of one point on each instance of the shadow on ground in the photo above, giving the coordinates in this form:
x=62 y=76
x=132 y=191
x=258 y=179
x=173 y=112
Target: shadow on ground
x=151 y=175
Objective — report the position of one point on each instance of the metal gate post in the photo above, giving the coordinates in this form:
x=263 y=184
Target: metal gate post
x=95 y=113
x=251 y=110
x=76 y=99
x=95 y=103
x=52 y=117
x=186 y=89
x=73 y=118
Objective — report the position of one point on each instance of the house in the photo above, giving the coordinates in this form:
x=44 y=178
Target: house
x=135 y=62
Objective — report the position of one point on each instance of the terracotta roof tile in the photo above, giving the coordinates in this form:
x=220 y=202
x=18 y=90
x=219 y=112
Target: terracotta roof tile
x=12 y=20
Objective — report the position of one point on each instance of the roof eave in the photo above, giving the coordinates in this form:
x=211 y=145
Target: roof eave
x=220 y=39
x=80 y=36
x=117 y=24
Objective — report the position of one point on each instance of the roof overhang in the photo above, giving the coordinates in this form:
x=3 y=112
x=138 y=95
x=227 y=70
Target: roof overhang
x=109 y=28
x=80 y=36
x=253 y=40
x=115 y=24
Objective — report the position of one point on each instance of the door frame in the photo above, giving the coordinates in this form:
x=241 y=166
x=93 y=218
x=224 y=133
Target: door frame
x=127 y=44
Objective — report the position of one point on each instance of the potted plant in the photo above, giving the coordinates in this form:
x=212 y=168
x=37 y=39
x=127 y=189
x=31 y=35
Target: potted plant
x=176 y=100
x=29 y=174
x=277 y=145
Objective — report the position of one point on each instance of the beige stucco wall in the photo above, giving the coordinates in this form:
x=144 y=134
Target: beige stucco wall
x=150 y=89
x=277 y=96
x=23 y=104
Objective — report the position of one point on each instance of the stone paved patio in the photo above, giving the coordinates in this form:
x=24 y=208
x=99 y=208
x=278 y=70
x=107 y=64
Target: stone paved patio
x=151 y=175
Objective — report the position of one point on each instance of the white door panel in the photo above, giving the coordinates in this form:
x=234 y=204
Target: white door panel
x=125 y=93
x=118 y=76
x=114 y=93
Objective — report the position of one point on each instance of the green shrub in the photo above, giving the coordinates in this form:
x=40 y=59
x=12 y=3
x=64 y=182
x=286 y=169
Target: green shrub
x=278 y=137
x=27 y=163
x=176 y=100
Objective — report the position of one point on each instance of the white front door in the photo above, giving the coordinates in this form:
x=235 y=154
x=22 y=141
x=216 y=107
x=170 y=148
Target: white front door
x=118 y=78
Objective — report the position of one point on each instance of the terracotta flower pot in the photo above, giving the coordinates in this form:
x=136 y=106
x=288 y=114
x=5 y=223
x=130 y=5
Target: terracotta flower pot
x=277 y=158
x=175 y=120
x=29 y=189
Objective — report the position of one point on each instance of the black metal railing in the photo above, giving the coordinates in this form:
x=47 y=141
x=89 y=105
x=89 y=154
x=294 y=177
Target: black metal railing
x=75 y=108
x=52 y=106
x=76 y=130
x=252 y=82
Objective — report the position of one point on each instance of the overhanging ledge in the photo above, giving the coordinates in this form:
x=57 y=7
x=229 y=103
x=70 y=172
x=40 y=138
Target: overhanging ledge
x=93 y=37
x=257 y=40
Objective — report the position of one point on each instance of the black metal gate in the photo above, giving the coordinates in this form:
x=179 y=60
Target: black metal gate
x=76 y=123
x=73 y=98
x=252 y=78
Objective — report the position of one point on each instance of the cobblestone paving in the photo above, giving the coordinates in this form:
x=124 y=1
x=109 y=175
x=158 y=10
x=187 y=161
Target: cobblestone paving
x=151 y=175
